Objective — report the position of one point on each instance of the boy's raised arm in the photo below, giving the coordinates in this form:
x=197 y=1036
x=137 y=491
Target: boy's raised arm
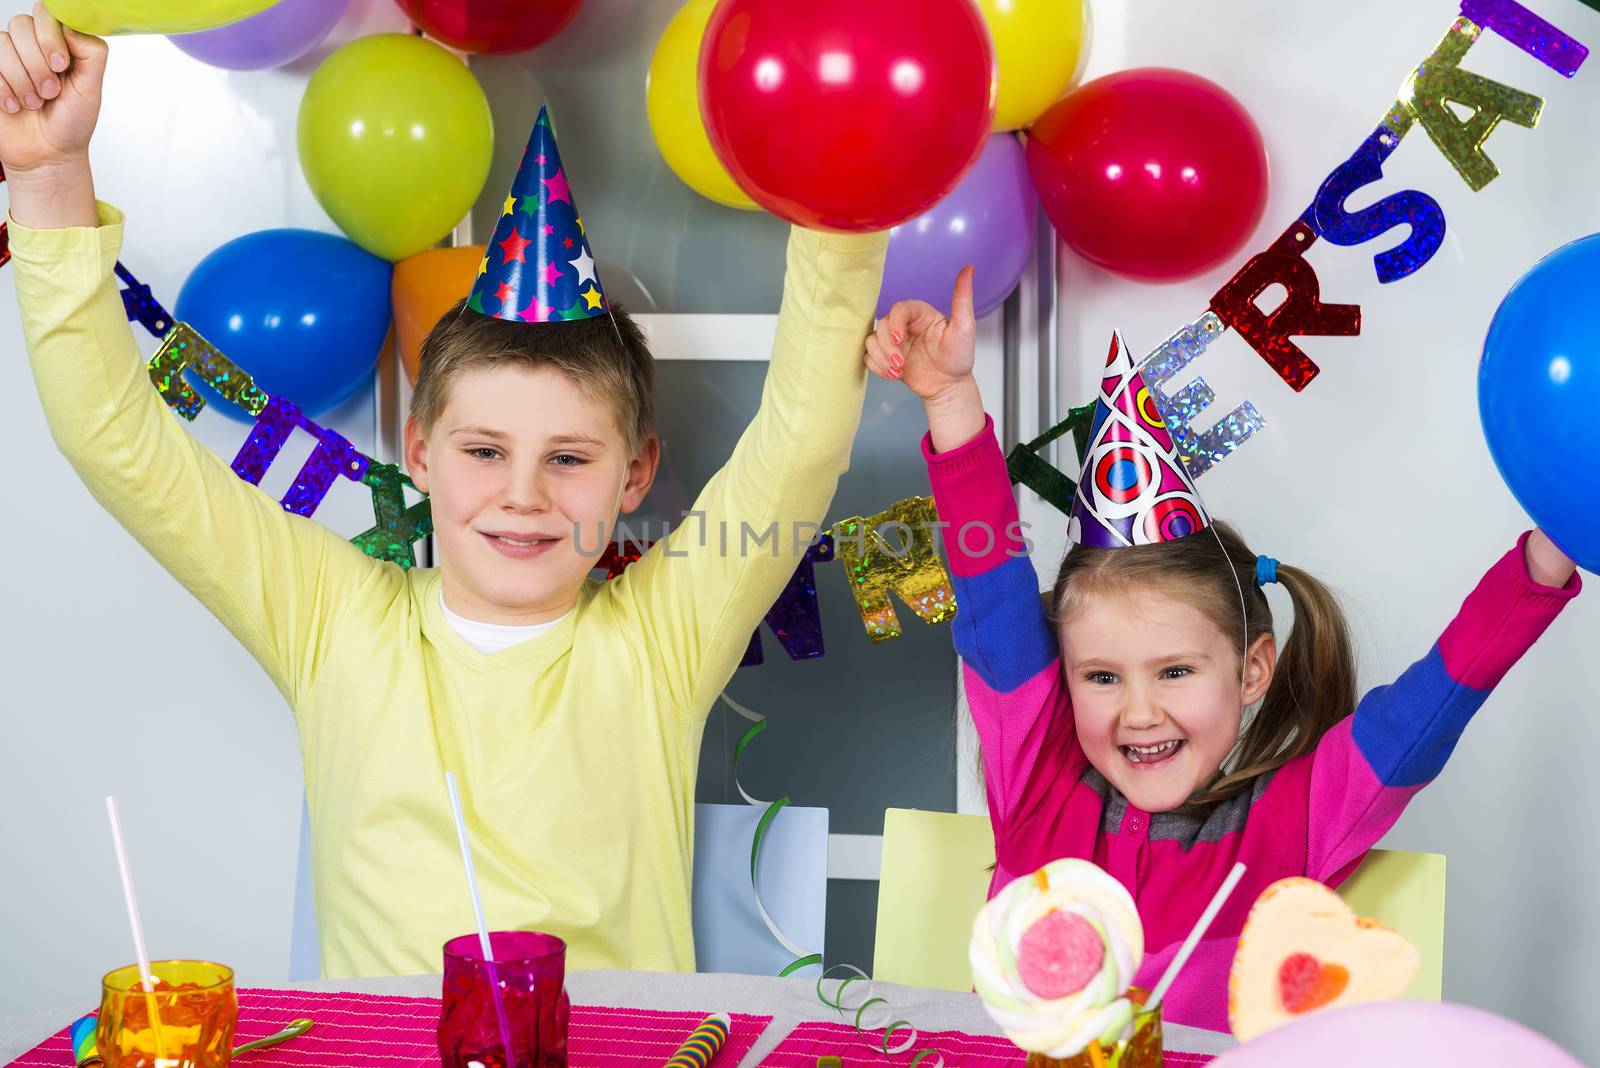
x=276 y=581
x=698 y=599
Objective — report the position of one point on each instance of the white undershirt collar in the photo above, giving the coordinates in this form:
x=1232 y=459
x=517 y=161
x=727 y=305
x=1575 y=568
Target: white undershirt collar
x=492 y=638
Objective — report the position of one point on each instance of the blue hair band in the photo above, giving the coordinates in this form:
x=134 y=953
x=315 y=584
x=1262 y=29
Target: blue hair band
x=1266 y=570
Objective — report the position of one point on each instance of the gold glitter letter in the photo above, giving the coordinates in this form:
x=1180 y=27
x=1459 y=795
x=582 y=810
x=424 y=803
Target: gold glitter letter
x=1439 y=82
x=183 y=349
x=914 y=571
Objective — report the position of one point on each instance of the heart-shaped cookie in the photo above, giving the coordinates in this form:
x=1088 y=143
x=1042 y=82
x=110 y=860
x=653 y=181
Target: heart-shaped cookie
x=1303 y=949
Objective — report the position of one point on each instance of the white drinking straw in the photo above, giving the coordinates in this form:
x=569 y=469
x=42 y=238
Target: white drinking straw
x=1195 y=935
x=477 y=911
x=133 y=921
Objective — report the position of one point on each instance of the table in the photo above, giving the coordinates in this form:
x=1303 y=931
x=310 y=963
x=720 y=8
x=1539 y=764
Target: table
x=788 y=1001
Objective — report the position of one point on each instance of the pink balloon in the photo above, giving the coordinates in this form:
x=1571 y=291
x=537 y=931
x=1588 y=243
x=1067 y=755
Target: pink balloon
x=1400 y=1033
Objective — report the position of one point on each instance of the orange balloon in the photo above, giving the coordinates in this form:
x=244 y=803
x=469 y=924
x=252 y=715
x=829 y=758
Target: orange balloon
x=424 y=288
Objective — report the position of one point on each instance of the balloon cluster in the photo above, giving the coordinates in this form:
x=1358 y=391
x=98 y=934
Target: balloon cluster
x=395 y=140
x=899 y=114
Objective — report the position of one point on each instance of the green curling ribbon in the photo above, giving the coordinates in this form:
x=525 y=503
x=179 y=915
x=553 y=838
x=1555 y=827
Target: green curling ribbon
x=803 y=959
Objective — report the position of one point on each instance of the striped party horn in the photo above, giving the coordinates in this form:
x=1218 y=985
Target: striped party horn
x=702 y=1044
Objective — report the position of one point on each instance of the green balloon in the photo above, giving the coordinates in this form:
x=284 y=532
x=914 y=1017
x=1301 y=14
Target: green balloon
x=395 y=141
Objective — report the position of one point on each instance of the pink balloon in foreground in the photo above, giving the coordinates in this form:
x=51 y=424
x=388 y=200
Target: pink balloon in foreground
x=847 y=114
x=1157 y=175
x=1400 y=1032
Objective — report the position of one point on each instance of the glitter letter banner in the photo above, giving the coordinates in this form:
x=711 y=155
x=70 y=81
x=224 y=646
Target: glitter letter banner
x=142 y=306
x=332 y=457
x=1329 y=218
x=1439 y=82
x=1199 y=449
x=1529 y=32
x=185 y=350
x=1426 y=98
x=795 y=617
x=397 y=527
x=1026 y=466
x=1301 y=313
x=915 y=571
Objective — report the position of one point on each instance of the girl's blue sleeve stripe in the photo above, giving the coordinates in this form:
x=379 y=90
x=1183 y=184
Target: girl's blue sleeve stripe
x=1408 y=729
x=1000 y=630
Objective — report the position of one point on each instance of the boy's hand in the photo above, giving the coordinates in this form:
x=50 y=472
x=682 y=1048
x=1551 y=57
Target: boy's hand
x=929 y=352
x=50 y=81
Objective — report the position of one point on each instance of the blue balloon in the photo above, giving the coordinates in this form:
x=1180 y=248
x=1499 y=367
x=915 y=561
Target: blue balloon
x=1539 y=395
x=303 y=313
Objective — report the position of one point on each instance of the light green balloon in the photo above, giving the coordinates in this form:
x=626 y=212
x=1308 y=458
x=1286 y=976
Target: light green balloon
x=103 y=17
x=395 y=141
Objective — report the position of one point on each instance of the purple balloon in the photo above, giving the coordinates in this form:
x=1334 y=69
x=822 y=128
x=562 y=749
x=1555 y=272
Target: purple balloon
x=988 y=221
x=1399 y=1032
x=281 y=34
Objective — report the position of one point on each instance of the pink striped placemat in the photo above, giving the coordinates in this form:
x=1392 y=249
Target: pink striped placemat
x=356 y=1030
x=812 y=1040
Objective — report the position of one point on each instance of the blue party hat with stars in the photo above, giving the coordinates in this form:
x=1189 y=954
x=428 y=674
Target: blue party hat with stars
x=538 y=268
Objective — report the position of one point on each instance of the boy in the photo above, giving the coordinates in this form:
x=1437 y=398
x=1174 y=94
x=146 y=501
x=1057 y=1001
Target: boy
x=576 y=744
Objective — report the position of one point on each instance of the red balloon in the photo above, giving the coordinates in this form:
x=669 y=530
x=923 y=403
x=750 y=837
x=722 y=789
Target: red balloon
x=1157 y=175
x=494 y=26
x=847 y=115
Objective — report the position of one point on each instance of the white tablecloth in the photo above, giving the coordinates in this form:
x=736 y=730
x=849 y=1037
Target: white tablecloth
x=788 y=1001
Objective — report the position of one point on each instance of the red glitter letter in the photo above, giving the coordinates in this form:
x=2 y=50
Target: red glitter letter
x=1302 y=312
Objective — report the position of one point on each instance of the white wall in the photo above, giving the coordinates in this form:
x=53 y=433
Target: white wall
x=1376 y=478
x=115 y=679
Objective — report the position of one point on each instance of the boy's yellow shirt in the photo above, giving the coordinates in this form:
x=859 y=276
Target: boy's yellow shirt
x=577 y=750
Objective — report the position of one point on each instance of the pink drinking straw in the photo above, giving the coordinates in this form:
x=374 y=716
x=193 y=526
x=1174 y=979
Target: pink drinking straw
x=477 y=911
x=132 y=902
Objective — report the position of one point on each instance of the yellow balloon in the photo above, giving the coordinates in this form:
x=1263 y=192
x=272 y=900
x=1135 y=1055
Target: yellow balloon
x=1037 y=44
x=104 y=17
x=672 y=101
x=395 y=140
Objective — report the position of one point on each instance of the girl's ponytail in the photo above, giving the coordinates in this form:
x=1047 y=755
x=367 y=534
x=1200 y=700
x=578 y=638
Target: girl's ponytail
x=1313 y=688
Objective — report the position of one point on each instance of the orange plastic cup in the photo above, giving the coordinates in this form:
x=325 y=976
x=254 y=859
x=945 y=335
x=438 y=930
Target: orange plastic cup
x=185 y=1022
x=1142 y=1049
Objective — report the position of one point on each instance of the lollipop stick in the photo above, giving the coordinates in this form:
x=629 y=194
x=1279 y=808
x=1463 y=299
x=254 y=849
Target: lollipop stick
x=132 y=902
x=483 y=926
x=1189 y=944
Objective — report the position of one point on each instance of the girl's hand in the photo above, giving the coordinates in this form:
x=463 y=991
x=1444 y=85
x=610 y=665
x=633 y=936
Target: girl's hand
x=1547 y=565
x=933 y=354
x=929 y=352
x=50 y=82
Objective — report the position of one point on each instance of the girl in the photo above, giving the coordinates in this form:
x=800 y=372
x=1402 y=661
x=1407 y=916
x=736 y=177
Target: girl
x=1147 y=719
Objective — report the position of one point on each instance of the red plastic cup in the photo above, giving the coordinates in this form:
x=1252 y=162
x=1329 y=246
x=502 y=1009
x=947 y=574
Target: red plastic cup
x=529 y=970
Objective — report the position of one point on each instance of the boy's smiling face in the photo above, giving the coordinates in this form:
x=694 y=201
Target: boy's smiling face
x=523 y=469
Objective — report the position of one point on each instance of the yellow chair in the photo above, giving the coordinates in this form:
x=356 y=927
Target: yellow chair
x=935 y=877
x=1406 y=891
x=934 y=880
